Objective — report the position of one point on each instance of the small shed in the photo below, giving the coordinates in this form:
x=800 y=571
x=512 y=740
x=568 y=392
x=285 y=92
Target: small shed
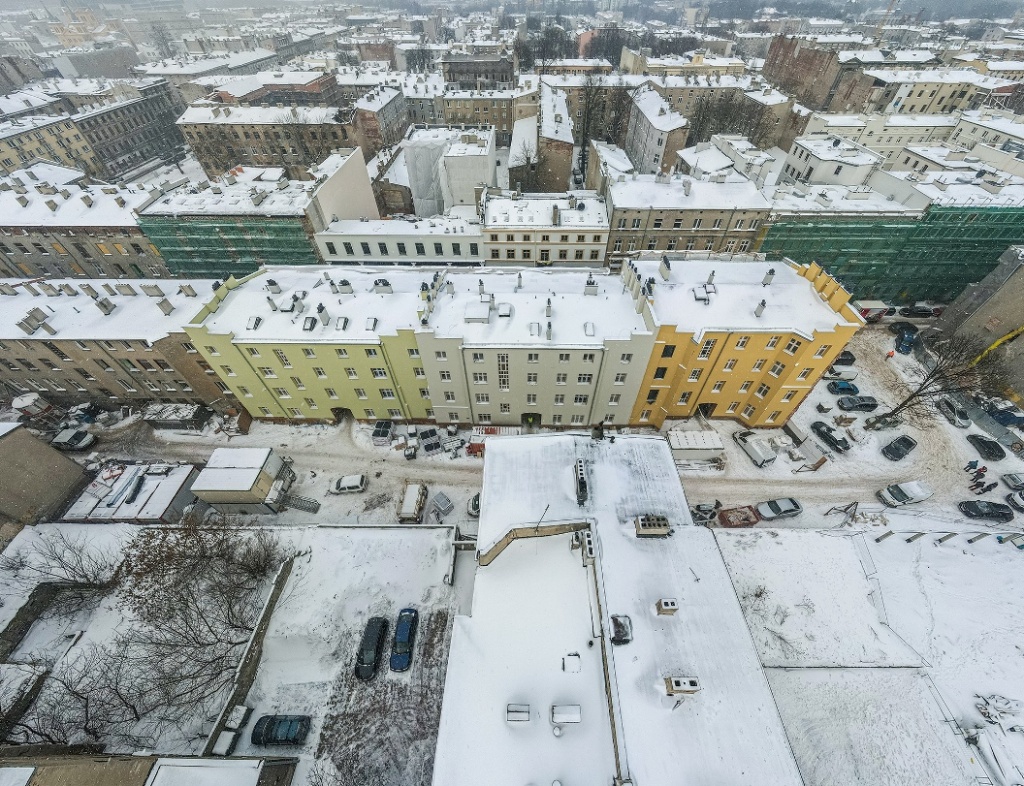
x=695 y=445
x=245 y=480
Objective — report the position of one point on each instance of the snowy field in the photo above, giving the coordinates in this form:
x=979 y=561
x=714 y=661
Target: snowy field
x=952 y=609
x=876 y=727
x=787 y=581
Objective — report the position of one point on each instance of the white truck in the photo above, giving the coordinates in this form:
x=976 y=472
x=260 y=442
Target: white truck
x=413 y=501
x=760 y=452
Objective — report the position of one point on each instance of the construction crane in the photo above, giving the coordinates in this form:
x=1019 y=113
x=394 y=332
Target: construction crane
x=893 y=5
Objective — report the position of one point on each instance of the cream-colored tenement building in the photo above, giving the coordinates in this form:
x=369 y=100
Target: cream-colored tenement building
x=552 y=347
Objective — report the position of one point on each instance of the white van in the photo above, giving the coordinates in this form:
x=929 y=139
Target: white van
x=413 y=501
x=846 y=374
x=760 y=452
x=350 y=484
x=899 y=494
x=73 y=439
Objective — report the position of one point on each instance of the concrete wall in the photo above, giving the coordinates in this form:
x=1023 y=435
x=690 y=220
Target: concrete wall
x=38 y=479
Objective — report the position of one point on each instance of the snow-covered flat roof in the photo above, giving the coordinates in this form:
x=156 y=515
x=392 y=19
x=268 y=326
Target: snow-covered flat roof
x=791 y=302
x=576 y=210
x=835 y=148
x=438 y=225
x=238 y=457
x=939 y=75
x=827 y=199
x=535 y=604
x=74 y=316
x=197 y=66
x=684 y=193
x=555 y=122
x=205 y=772
x=71 y=206
x=107 y=500
x=208 y=112
x=365 y=314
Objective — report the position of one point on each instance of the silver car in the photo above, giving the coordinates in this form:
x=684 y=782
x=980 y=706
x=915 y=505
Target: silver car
x=783 y=508
x=953 y=412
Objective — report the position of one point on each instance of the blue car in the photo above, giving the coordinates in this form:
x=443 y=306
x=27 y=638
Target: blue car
x=905 y=342
x=405 y=640
x=840 y=387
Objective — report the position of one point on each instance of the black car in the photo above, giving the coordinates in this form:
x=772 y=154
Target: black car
x=370 y=648
x=989 y=449
x=899 y=448
x=405 y=639
x=830 y=436
x=897 y=328
x=845 y=358
x=917 y=311
x=983 y=509
x=281 y=730
x=857 y=403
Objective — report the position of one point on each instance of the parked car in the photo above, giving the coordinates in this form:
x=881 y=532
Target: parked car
x=904 y=343
x=989 y=449
x=73 y=439
x=350 y=484
x=473 y=506
x=899 y=448
x=845 y=358
x=370 y=648
x=953 y=412
x=783 y=508
x=857 y=403
x=902 y=327
x=830 y=436
x=920 y=311
x=280 y=730
x=1014 y=481
x=899 y=494
x=840 y=387
x=983 y=509
x=845 y=374
x=405 y=639
x=1016 y=500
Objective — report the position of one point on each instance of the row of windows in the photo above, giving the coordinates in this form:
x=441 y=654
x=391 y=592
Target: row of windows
x=545 y=254
x=547 y=238
x=691 y=244
x=401 y=249
x=697 y=223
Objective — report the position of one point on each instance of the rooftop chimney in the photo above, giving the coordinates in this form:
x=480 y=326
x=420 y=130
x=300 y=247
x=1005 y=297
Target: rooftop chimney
x=768 y=277
x=345 y=287
x=273 y=286
x=665 y=268
x=321 y=312
x=760 y=308
x=104 y=305
x=590 y=288
x=480 y=286
x=548 y=334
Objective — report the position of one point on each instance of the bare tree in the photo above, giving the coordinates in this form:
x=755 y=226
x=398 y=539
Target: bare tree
x=162 y=39
x=305 y=132
x=193 y=595
x=957 y=364
x=57 y=556
x=528 y=163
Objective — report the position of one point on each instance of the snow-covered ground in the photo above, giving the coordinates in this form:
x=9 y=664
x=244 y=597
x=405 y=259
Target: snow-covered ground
x=916 y=633
x=779 y=576
x=383 y=731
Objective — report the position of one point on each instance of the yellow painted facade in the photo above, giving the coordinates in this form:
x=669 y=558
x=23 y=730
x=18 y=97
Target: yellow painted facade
x=756 y=378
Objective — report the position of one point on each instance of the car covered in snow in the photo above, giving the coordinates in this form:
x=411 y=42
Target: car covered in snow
x=1016 y=500
x=987 y=448
x=783 y=508
x=370 y=647
x=847 y=374
x=983 y=509
x=280 y=730
x=1014 y=480
x=857 y=403
x=953 y=412
x=473 y=506
x=899 y=448
x=900 y=494
x=404 y=640
x=840 y=387
x=830 y=436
